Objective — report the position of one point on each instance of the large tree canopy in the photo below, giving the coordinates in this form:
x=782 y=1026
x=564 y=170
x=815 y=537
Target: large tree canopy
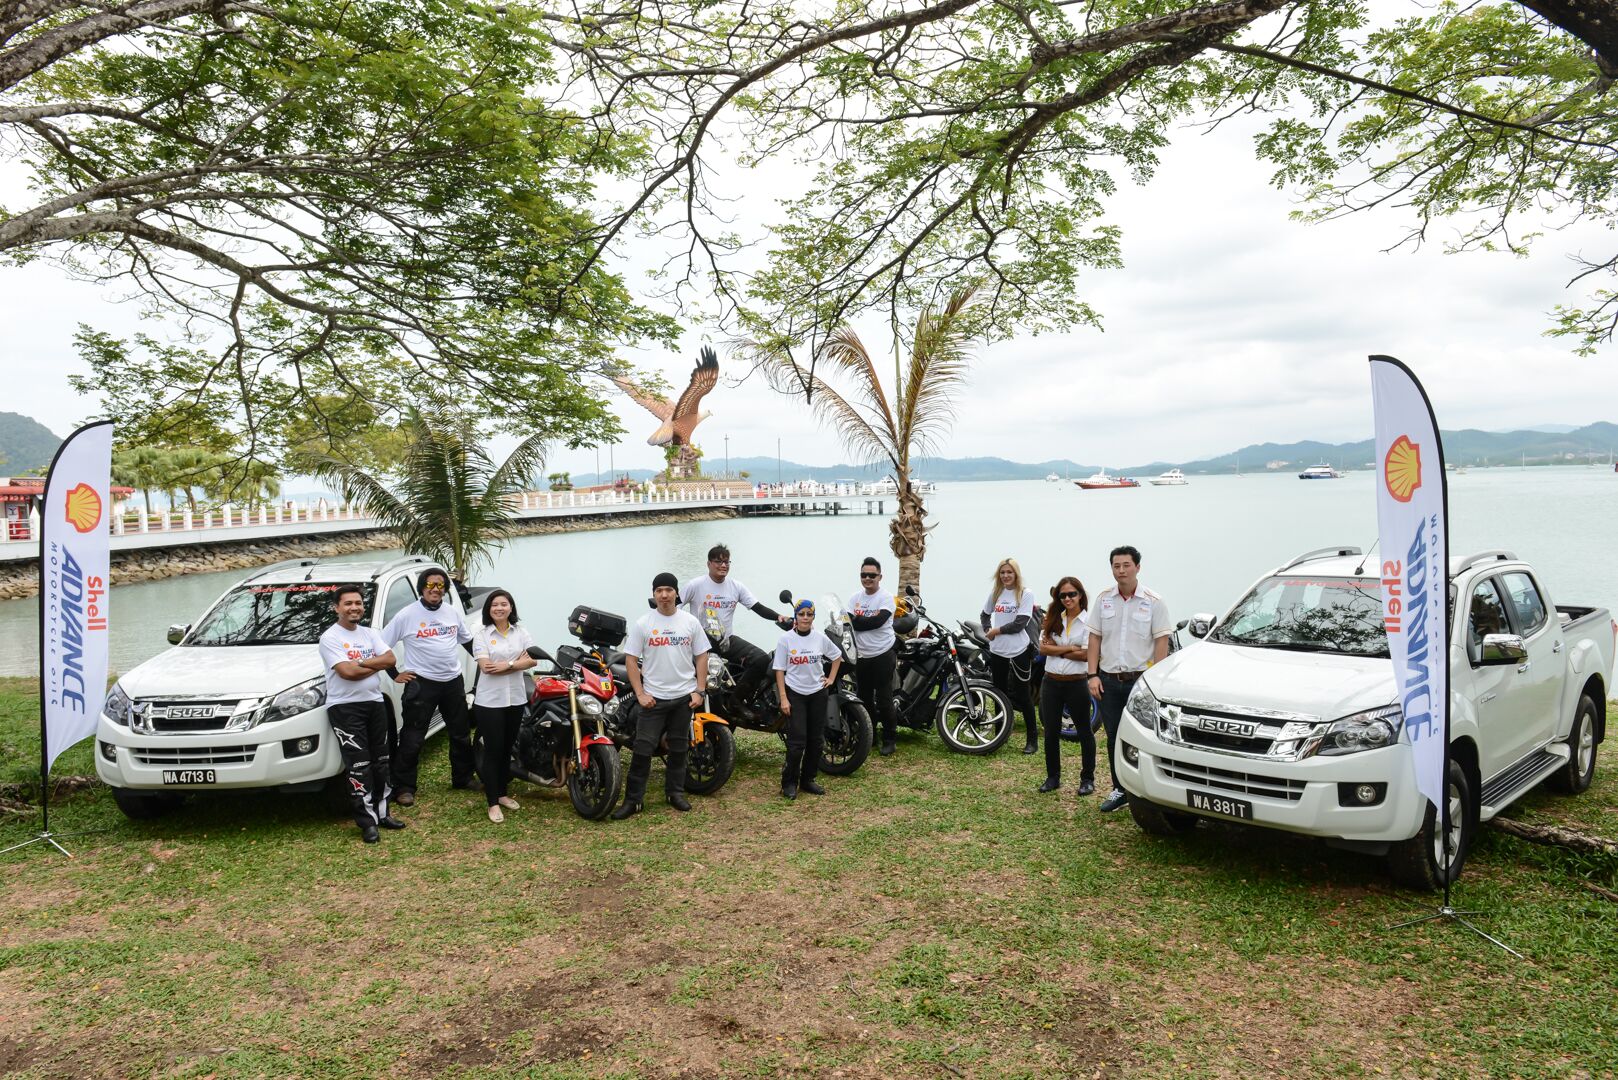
x=979 y=139
x=339 y=202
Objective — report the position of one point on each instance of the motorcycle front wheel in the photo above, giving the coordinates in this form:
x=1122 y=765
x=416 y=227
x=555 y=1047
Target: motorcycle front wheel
x=849 y=744
x=594 y=790
x=976 y=720
x=712 y=760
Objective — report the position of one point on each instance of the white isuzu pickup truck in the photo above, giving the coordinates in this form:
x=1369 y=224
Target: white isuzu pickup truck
x=240 y=701
x=1284 y=714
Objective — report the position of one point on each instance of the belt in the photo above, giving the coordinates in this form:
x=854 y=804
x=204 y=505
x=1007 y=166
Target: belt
x=1056 y=676
x=1125 y=677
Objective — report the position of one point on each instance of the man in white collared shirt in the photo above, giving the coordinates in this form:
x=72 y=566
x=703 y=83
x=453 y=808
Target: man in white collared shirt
x=1129 y=631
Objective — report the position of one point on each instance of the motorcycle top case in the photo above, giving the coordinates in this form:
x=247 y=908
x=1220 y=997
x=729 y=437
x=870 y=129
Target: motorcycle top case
x=595 y=627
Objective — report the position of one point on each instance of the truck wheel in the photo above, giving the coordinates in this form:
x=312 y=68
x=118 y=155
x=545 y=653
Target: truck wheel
x=1415 y=862
x=1159 y=820
x=1580 y=769
x=145 y=805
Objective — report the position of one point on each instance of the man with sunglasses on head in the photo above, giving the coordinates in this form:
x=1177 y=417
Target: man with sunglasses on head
x=434 y=635
x=718 y=595
x=871 y=612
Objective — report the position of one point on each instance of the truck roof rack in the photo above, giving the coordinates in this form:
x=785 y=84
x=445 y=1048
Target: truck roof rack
x=1496 y=555
x=1322 y=553
x=282 y=565
x=403 y=560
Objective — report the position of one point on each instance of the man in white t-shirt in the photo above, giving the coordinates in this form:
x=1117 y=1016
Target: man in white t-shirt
x=667 y=658
x=352 y=655
x=434 y=635
x=716 y=594
x=871 y=611
x=1129 y=631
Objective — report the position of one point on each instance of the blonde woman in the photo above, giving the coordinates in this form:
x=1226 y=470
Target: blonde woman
x=1008 y=619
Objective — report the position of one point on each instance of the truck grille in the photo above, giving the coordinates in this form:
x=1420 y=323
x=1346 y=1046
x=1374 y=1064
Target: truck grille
x=1270 y=787
x=186 y=717
x=193 y=755
x=1229 y=732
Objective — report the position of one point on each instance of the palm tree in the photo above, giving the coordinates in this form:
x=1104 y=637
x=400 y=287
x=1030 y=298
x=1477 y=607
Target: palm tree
x=453 y=503
x=880 y=430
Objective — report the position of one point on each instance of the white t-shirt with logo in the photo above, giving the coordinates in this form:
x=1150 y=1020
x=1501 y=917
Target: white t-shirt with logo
x=872 y=642
x=1075 y=633
x=1002 y=610
x=1129 y=628
x=432 y=639
x=667 y=647
x=703 y=595
x=337 y=646
x=800 y=656
x=509 y=687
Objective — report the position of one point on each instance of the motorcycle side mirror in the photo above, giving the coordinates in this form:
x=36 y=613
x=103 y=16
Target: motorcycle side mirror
x=910 y=590
x=786 y=596
x=536 y=653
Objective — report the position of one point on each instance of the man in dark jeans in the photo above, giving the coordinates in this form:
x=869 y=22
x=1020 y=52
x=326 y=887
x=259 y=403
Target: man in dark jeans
x=434 y=635
x=717 y=595
x=1129 y=631
x=876 y=655
x=667 y=661
x=352 y=655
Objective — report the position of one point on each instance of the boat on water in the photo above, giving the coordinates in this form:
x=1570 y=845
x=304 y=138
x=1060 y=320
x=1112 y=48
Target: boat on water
x=1320 y=472
x=1172 y=478
x=1102 y=482
x=1052 y=478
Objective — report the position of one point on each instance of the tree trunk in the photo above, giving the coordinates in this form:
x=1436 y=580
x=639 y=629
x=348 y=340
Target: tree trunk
x=1556 y=836
x=908 y=535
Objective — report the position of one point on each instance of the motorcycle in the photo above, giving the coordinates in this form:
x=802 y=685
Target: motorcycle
x=944 y=684
x=554 y=747
x=713 y=747
x=848 y=724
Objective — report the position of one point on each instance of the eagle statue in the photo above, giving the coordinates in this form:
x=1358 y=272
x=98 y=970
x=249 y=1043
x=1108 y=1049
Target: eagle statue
x=680 y=417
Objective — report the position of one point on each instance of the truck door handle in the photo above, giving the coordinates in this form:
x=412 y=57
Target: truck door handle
x=1557 y=647
x=1524 y=667
x=1486 y=698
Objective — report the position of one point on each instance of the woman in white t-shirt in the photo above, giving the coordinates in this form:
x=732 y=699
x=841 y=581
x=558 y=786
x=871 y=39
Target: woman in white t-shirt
x=1064 y=641
x=801 y=687
x=1008 y=618
x=500 y=647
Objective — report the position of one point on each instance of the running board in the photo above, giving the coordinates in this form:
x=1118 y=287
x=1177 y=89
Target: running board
x=1503 y=789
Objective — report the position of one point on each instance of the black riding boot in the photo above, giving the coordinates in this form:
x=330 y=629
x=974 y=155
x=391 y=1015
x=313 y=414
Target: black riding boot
x=1032 y=745
x=789 y=773
x=640 y=767
x=674 y=779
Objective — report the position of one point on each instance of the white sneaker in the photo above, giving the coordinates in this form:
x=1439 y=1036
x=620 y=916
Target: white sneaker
x=495 y=815
x=509 y=803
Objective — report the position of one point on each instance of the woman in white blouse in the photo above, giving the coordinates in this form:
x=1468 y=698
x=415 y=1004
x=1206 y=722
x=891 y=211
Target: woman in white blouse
x=500 y=647
x=1064 y=641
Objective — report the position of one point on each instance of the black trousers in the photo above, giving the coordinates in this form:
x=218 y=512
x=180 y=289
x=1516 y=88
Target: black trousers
x=1017 y=687
x=670 y=719
x=873 y=676
x=423 y=697
x=749 y=661
x=1054 y=696
x=806 y=736
x=498 y=726
x=361 y=730
x=1114 y=695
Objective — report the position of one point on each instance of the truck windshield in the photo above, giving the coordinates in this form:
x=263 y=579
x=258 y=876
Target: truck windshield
x=290 y=614
x=1337 y=615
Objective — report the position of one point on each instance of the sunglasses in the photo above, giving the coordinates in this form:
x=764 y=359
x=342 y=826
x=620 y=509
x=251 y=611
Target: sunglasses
x=1067 y=596
x=434 y=586
x=865 y=575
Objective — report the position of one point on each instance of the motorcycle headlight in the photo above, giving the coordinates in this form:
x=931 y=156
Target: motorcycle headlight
x=117 y=708
x=589 y=706
x=1369 y=730
x=1143 y=705
x=294 y=702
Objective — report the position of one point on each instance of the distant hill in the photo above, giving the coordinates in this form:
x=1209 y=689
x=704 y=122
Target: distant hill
x=25 y=444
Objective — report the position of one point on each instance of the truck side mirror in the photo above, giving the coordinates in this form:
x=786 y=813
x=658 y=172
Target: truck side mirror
x=1201 y=624
x=1503 y=649
x=177 y=632
x=786 y=596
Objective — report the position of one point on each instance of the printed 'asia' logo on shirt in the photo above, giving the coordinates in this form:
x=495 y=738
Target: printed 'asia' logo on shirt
x=1003 y=608
x=797 y=657
x=425 y=632
x=668 y=637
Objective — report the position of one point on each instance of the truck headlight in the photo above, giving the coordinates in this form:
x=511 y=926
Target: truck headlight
x=117 y=708
x=589 y=706
x=1369 y=730
x=1143 y=706
x=294 y=702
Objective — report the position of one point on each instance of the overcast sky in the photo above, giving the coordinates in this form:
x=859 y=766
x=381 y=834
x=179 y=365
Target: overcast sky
x=1229 y=325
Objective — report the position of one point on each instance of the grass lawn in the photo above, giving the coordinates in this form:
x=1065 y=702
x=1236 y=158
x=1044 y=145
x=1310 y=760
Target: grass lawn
x=931 y=916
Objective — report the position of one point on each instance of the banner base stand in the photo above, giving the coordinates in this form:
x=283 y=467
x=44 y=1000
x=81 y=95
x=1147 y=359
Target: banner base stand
x=1453 y=915
x=46 y=837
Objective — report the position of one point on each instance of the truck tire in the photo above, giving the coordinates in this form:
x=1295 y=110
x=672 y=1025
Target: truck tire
x=145 y=805
x=1575 y=776
x=1160 y=820
x=1414 y=862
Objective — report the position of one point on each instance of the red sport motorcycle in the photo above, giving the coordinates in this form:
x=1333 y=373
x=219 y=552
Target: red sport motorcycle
x=563 y=740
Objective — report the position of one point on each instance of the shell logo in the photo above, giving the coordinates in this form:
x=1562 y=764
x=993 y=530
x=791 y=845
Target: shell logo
x=83 y=507
x=1401 y=469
